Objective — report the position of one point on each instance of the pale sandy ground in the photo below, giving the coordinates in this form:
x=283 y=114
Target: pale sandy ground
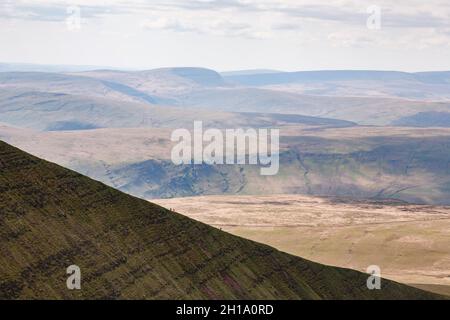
x=410 y=243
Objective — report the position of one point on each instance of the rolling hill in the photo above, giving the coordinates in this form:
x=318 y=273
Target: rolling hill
x=91 y=114
x=163 y=82
x=363 y=83
x=425 y=119
x=362 y=110
x=127 y=248
x=51 y=111
x=365 y=97
x=368 y=98
x=262 y=79
x=72 y=84
x=409 y=164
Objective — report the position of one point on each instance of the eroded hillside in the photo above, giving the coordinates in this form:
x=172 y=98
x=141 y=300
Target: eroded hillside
x=51 y=217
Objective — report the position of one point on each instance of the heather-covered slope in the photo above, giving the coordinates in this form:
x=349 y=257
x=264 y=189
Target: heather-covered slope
x=51 y=217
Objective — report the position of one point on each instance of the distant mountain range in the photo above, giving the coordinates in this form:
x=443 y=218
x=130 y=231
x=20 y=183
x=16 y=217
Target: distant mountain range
x=431 y=86
x=329 y=146
x=58 y=111
x=30 y=67
x=248 y=72
x=364 y=97
x=129 y=248
x=273 y=77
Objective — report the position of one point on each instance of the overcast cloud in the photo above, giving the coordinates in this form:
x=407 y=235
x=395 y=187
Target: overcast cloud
x=228 y=34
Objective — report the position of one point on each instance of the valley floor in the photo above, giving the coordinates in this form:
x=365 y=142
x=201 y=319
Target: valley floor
x=410 y=243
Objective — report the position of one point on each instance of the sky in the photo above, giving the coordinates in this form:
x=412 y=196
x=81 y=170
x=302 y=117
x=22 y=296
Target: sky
x=289 y=35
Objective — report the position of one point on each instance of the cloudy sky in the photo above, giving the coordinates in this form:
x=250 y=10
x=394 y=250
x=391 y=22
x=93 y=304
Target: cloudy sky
x=407 y=35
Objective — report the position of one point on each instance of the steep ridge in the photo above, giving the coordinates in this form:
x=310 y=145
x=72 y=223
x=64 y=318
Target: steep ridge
x=167 y=82
x=51 y=218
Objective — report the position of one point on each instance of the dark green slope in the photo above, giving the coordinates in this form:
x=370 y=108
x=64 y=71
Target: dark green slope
x=51 y=217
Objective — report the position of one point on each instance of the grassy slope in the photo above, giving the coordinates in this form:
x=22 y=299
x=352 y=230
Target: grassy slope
x=410 y=243
x=51 y=217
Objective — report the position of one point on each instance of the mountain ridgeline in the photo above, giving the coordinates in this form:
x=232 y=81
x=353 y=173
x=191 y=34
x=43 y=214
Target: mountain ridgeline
x=51 y=218
x=364 y=97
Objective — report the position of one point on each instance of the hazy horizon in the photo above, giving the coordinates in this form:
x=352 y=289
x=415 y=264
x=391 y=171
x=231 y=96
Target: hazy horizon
x=269 y=70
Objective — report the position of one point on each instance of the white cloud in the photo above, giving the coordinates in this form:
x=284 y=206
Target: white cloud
x=164 y=23
x=292 y=28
